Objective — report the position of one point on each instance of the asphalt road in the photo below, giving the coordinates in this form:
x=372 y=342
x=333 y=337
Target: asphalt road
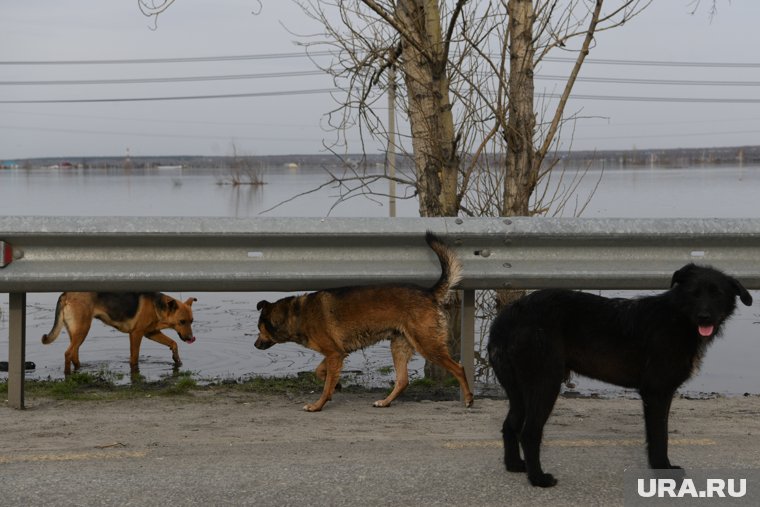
x=230 y=448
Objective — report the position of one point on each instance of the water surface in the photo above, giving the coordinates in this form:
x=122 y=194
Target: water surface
x=225 y=322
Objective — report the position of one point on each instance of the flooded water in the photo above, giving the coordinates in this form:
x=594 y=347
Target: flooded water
x=225 y=322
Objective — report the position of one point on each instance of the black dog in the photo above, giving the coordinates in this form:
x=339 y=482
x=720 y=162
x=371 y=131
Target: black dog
x=653 y=344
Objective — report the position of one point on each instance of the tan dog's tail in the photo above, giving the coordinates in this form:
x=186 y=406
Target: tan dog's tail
x=451 y=267
x=57 y=324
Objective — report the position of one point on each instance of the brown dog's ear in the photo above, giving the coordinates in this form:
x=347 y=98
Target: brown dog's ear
x=190 y=301
x=261 y=304
x=171 y=305
x=743 y=294
x=681 y=275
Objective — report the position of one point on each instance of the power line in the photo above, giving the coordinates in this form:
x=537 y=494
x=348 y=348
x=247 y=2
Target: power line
x=657 y=63
x=685 y=100
x=189 y=97
x=154 y=134
x=59 y=82
x=184 y=121
x=268 y=75
x=274 y=56
x=616 y=98
x=192 y=59
x=679 y=82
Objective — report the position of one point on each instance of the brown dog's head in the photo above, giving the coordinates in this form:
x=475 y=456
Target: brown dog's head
x=177 y=315
x=273 y=321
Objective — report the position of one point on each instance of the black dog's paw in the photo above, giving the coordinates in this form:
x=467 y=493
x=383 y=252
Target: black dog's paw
x=515 y=466
x=543 y=481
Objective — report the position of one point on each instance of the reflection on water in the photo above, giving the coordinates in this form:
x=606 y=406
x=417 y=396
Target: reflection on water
x=225 y=322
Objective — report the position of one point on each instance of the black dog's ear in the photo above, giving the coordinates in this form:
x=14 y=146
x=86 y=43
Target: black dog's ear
x=261 y=304
x=682 y=274
x=743 y=294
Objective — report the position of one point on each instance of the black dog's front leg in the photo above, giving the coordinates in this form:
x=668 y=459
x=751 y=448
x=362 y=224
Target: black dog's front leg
x=656 y=412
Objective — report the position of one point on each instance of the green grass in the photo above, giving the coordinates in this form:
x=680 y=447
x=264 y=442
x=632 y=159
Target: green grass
x=105 y=385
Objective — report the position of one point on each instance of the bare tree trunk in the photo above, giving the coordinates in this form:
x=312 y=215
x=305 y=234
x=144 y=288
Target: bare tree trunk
x=431 y=120
x=521 y=172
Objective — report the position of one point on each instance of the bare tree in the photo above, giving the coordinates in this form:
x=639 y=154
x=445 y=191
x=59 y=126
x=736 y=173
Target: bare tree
x=468 y=91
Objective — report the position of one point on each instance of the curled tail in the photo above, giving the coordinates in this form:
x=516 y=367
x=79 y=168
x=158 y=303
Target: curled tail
x=57 y=324
x=451 y=267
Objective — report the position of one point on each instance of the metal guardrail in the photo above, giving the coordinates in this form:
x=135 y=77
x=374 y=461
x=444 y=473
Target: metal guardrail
x=54 y=254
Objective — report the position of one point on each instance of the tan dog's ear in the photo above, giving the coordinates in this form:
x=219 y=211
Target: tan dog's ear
x=261 y=304
x=190 y=301
x=171 y=306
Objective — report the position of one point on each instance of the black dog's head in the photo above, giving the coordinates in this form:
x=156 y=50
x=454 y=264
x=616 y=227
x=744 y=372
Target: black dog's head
x=707 y=296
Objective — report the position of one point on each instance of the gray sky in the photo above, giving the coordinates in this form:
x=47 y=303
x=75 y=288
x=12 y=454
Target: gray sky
x=274 y=122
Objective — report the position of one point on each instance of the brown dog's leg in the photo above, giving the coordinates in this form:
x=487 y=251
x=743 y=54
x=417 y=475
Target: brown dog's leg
x=71 y=356
x=435 y=350
x=135 y=339
x=402 y=351
x=159 y=337
x=333 y=365
x=78 y=322
x=321 y=373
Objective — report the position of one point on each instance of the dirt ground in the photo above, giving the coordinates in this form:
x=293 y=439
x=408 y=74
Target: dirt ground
x=193 y=448
x=209 y=416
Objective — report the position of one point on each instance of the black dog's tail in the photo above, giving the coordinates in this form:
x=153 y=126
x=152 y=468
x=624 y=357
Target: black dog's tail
x=57 y=324
x=451 y=267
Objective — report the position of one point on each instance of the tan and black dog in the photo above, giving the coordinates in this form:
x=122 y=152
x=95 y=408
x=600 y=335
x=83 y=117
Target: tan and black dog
x=336 y=322
x=137 y=314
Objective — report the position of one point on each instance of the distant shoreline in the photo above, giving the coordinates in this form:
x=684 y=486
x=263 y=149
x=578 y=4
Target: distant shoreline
x=673 y=157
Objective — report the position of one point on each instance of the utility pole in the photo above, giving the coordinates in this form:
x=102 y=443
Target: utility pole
x=392 y=141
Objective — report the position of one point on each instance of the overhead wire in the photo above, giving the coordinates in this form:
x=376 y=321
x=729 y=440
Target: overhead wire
x=315 y=54
x=311 y=54
x=316 y=72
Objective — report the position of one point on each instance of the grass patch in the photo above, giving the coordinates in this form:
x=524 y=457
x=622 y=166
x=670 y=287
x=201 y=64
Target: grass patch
x=182 y=383
x=102 y=385
x=105 y=385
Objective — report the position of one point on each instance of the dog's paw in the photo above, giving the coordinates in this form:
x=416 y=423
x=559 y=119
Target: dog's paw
x=312 y=407
x=469 y=401
x=543 y=480
x=381 y=404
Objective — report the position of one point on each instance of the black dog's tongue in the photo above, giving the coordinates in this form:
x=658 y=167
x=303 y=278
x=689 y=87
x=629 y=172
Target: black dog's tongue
x=706 y=330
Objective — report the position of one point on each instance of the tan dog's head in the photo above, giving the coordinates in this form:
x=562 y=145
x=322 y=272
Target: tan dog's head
x=273 y=321
x=178 y=316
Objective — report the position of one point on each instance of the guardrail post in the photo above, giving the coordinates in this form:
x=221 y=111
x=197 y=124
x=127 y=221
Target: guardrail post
x=16 y=348
x=467 y=342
